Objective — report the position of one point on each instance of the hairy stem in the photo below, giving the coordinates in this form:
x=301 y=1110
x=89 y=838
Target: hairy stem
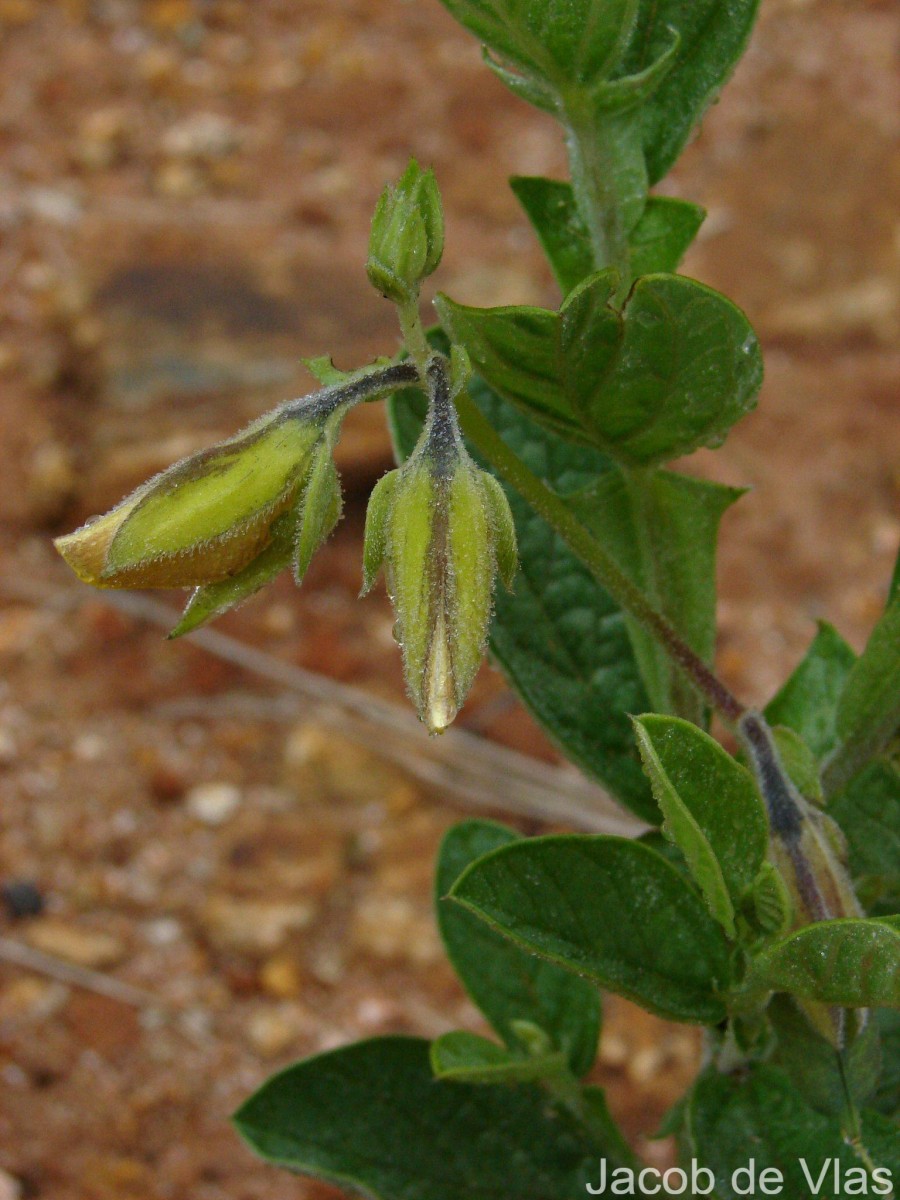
x=593 y=169
x=547 y=504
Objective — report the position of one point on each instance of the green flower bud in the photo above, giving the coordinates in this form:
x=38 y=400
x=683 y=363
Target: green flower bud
x=295 y=536
x=443 y=529
x=205 y=518
x=227 y=520
x=407 y=237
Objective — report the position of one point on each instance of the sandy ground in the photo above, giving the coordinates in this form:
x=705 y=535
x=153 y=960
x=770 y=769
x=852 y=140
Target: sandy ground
x=185 y=190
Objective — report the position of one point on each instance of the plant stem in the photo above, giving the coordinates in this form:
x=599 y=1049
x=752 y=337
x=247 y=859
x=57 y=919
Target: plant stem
x=593 y=178
x=567 y=1091
x=414 y=334
x=547 y=504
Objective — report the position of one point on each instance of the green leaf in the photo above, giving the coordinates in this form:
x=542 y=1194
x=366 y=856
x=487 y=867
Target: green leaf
x=610 y=909
x=589 y=333
x=529 y=88
x=686 y=368
x=822 y=1074
x=868 y=713
x=565 y=45
x=213 y=599
x=879 y=1137
x=799 y=762
x=506 y=984
x=772 y=909
x=320 y=509
x=868 y=812
x=662 y=529
x=550 y=207
x=628 y=91
x=467 y=1058
x=558 y=636
x=662 y=235
x=807 y=703
x=372 y=1118
x=658 y=241
x=852 y=962
x=711 y=807
x=713 y=34
x=759 y=1117
x=671 y=373
x=375 y=537
x=515 y=349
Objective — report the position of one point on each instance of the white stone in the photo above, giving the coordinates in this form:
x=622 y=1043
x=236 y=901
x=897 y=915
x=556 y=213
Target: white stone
x=213 y=803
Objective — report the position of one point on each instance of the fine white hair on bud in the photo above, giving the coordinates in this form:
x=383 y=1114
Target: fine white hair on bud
x=442 y=529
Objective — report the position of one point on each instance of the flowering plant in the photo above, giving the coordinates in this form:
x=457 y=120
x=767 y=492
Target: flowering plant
x=762 y=902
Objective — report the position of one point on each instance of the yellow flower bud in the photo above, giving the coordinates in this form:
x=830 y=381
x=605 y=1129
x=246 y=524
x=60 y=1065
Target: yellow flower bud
x=208 y=518
x=202 y=520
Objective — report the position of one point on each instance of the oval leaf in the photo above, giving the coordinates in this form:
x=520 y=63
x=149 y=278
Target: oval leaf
x=686 y=367
x=807 y=703
x=868 y=713
x=570 y=46
x=507 y=984
x=713 y=34
x=371 y=1117
x=712 y=810
x=853 y=962
x=515 y=349
x=610 y=909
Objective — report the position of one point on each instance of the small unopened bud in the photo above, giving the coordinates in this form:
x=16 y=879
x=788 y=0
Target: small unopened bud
x=407 y=237
x=443 y=529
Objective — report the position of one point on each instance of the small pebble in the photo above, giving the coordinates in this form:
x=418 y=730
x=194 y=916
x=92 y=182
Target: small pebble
x=281 y=977
x=179 y=180
x=391 y=927
x=251 y=926
x=86 y=947
x=201 y=136
x=89 y=747
x=100 y=138
x=213 y=803
x=162 y=931
x=270 y=1031
x=29 y=999
x=22 y=899
x=376 y=1013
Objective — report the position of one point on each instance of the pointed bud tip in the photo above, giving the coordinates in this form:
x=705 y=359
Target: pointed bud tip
x=441 y=704
x=85 y=550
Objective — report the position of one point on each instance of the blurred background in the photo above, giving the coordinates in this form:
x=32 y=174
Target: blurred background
x=211 y=862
